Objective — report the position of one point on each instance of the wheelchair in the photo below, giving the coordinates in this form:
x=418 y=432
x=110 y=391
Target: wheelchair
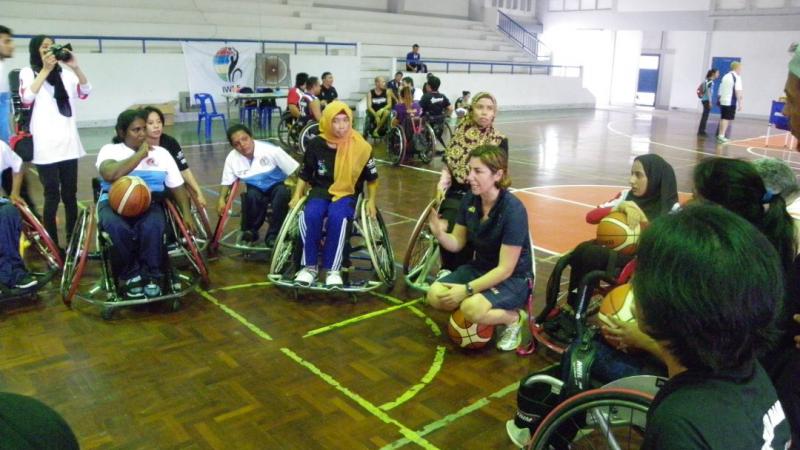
x=442 y=130
x=554 y=327
x=370 y=125
x=45 y=265
x=414 y=137
x=368 y=258
x=422 y=260
x=295 y=134
x=233 y=238
x=184 y=264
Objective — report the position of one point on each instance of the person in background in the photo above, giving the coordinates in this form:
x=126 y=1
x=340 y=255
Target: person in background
x=53 y=87
x=416 y=94
x=310 y=106
x=295 y=94
x=327 y=92
x=708 y=94
x=395 y=84
x=730 y=99
x=379 y=105
x=462 y=103
x=12 y=267
x=413 y=61
x=6 y=52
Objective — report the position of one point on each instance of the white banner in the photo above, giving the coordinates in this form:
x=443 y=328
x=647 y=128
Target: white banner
x=216 y=67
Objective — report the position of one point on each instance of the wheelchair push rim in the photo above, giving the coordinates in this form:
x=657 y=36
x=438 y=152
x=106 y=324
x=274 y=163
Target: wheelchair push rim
x=77 y=254
x=309 y=132
x=187 y=242
x=39 y=238
x=284 y=244
x=422 y=252
x=378 y=245
x=219 y=230
x=395 y=145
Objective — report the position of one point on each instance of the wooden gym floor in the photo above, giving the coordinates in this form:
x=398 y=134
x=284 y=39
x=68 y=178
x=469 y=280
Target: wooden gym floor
x=244 y=365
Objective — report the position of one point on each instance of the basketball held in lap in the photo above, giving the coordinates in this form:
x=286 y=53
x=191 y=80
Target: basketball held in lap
x=129 y=196
x=614 y=232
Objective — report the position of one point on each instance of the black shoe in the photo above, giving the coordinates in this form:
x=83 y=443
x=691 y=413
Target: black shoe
x=134 y=287
x=26 y=282
x=270 y=241
x=248 y=237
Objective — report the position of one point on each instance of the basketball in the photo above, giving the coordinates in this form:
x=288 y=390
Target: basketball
x=618 y=304
x=466 y=334
x=129 y=196
x=613 y=232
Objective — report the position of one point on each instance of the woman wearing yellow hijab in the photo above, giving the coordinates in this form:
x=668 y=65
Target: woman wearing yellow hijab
x=335 y=165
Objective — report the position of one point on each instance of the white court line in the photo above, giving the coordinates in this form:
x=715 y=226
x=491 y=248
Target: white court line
x=650 y=141
x=539 y=194
x=398 y=215
x=421 y=169
x=570 y=185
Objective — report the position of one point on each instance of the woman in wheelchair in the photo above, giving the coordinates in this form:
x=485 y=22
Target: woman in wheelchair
x=474 y=131
x=335 y=164
x=263 y=167
x=711 y=315
x=379 y=106
x=13 y=274
x=406 y=107
x=492 y=288
x=138 y=247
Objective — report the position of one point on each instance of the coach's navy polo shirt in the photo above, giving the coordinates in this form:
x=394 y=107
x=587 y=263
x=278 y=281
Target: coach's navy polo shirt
x=507 y=224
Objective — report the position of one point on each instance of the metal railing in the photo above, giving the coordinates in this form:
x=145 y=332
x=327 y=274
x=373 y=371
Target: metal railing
x=517 y=33
x=455 y=65
x=144 y=40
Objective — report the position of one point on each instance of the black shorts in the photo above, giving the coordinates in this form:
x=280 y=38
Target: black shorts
x=510 y=294
x=727 y=112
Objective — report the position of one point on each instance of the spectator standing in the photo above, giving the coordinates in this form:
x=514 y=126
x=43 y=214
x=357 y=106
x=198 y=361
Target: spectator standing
x=730 y=99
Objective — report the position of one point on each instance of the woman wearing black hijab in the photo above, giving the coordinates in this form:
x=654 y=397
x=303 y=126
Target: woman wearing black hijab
x=52 y=89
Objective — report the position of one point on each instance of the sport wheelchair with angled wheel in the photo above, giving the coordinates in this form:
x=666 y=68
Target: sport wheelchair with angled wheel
x=183 y=264
x=368 y=259
x=441 y=130
x=44 y=265
x=413 y=138
x=294 y=134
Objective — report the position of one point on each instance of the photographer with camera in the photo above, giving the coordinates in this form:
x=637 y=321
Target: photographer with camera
x=52 y=91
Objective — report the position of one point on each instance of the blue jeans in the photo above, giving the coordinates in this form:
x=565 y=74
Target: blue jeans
x=138 y=243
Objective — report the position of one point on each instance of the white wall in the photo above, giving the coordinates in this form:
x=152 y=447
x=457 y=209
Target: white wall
x=122 y=80
x=381 y=5
x=454 y=8
x=662 y=5
x=625 y=71
x=517 y=91
x=592 y=49
x=689 y=67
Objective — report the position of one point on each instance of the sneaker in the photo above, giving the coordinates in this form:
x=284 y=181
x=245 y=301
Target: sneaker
x=248 y=237
x=334 y=279
x=133 y=287
x=27 y=281
x=152 y=289
x=306 y=276
x=722 y=139
x=512 y=336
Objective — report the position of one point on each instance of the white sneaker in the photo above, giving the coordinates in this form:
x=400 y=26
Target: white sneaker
x=512 y=336
x=334 y=279
x=306 y=276
x=442 y=273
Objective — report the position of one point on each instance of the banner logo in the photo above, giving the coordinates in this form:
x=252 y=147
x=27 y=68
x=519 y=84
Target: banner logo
x=226 y=62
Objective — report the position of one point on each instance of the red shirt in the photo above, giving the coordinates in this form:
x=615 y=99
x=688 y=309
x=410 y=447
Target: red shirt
x=294 y=96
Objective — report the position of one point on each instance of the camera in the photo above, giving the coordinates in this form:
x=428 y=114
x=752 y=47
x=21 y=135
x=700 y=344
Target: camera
x=62 y=53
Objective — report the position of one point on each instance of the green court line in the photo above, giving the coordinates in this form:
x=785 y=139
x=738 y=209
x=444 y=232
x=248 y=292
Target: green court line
x=438 y=361
x=416 y=311
x=409 y=434
x=240 y=286
x=258 y=331
x=360 y=318
x=450 y=418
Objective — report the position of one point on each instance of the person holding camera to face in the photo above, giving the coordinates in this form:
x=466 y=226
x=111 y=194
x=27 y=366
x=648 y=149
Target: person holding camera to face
x=52 y=84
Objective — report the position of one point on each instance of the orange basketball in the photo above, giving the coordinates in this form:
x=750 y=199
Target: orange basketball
x=467 y=334
x=618 y=304
x=129 y=196
x=613 y=232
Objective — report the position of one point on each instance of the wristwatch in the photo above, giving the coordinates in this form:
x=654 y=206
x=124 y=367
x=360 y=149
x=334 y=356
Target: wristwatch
x=470 y=291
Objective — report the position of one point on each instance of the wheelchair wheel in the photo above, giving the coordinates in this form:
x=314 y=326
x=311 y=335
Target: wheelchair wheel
x=77 y=254
x=308 y=133
x=378 y=245
x=38 y=237
x=287 y=242
x=425 y=144
x=219 y=231
x=422 y=254
x=200 y=215
x=187 y=242
x=443 y=133
x=395 y=146
x=599 y=418
x=283 y=130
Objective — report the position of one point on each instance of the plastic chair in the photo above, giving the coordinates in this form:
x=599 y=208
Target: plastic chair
x=247 y=107
x=778 y=121
x=207 y=115
x=266 y=108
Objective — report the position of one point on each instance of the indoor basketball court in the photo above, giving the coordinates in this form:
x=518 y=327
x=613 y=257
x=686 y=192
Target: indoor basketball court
x=246 y=364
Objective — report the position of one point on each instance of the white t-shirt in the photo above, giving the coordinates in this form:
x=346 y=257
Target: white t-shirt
x=9 y=159
x=157 y=170
x=4 y=87
x=270 y=165
x=55 y=137
x=727 y=87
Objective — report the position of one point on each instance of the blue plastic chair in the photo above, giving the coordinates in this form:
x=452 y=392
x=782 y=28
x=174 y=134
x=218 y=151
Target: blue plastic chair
x=247 y=107
x=778 y=121
x=207 y=115
x=266 y=108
